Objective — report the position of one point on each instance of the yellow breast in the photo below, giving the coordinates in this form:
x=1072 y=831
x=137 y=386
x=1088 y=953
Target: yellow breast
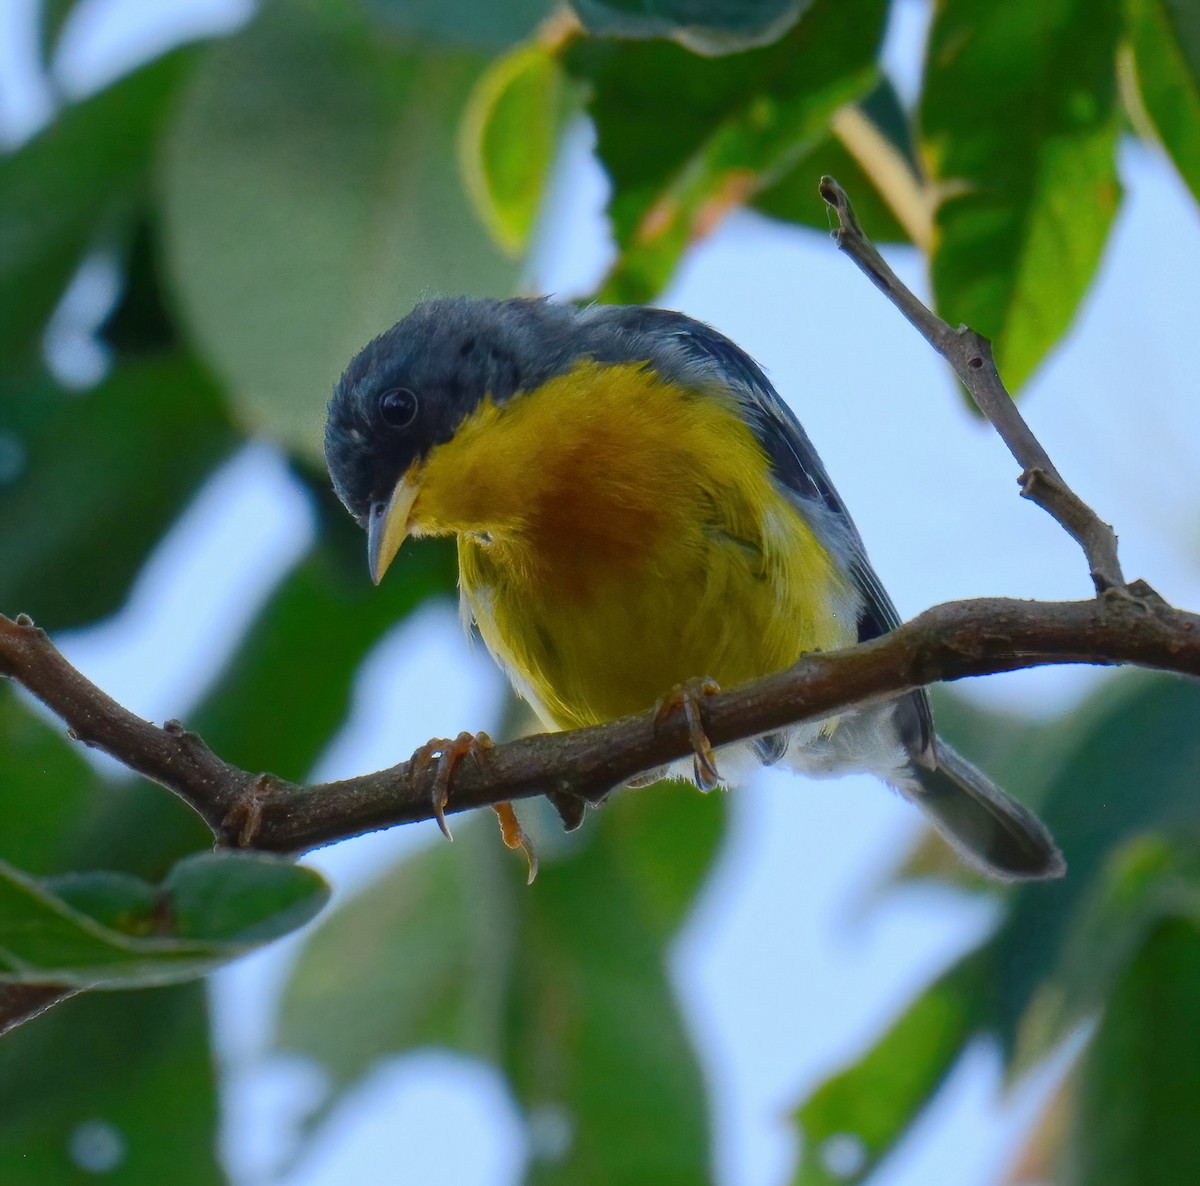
x=618 y=535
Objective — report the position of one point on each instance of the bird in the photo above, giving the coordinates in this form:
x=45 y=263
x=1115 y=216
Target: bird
x=641 y=518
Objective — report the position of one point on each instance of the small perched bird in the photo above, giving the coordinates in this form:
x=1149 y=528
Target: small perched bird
x=637 y=509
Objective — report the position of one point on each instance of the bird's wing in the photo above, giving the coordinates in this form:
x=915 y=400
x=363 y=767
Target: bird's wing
x=800 y=471
x=796 y=466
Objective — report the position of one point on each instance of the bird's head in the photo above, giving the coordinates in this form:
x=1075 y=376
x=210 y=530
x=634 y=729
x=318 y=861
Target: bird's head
x=410 y=390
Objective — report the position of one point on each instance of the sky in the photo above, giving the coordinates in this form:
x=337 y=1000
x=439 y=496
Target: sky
x=792 y=919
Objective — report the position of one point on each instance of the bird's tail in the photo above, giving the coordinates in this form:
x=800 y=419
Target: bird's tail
x=992 y=831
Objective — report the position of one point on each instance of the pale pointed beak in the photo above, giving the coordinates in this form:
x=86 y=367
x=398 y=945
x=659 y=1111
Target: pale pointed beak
x=387 y=526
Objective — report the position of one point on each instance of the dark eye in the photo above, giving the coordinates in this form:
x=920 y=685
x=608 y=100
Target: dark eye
x=398 y=407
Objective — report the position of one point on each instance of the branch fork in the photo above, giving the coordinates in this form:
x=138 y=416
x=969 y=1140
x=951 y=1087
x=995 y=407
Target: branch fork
x=1125 y=623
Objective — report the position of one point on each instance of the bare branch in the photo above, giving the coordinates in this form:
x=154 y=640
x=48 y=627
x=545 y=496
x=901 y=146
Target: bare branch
x=970 y=354
x=1125 y=625
x=948 y=642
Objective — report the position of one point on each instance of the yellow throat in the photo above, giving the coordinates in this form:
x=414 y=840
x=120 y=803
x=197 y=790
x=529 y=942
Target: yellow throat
x=619 y=534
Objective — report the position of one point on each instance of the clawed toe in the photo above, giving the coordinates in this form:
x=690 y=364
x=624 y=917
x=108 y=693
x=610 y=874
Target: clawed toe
x=687 y=697
x=448 y=754
x=514 y=836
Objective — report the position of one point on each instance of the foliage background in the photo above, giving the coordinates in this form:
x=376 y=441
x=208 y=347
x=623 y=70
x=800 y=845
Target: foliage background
x=194 y=240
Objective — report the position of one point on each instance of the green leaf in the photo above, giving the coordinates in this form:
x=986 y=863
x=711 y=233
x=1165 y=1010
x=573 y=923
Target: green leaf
x=241 y=898
x=70 y=187
x=118 y=901
x=1145 y=878
x=738 y=124
x=118 y=1080
x=113 y=931
x=562 y=984
x=312 y=197
x=477 y=24
x=854 y=1119
x=1138 y=1085
x=1019 y=130
x=140 y=323
x=58 y=813
x=431 y=947
x=97 y=479
x=509 y=134
x=595 y=1040
x=52 y=19
x=47 y=788
x=1165 y=35
x=703 y=26
x=1126 y=772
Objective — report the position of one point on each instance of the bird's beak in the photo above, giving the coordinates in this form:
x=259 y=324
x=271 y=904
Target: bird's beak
x=388 y=526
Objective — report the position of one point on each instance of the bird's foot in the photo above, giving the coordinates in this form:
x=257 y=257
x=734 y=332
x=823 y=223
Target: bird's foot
x=447 y=754
x=687 y=697
x=514 y=836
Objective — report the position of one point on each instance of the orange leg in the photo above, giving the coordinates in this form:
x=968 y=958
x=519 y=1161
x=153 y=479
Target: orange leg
x=448 y=754
x=514 y=836
x=687 y=697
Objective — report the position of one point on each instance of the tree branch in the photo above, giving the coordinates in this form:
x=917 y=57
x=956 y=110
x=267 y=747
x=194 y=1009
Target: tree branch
x=949 y=642
x=970 y=354
x=1127 y=624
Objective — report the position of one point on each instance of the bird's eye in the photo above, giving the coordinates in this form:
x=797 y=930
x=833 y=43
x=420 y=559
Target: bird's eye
x=398 y=407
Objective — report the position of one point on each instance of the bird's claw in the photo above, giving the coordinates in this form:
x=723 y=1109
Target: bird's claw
x=687 y=697
x=448 y=754
x=514 y=836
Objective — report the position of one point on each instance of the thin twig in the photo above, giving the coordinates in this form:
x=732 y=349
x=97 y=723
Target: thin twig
x=970 y=354
x=949 y=642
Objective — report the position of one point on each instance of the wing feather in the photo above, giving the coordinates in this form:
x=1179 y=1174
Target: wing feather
x=691 y=352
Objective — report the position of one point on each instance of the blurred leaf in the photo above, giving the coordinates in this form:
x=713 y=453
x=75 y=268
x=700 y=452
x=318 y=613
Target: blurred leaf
x=123 y=1074
x=98 y=478
x=301 y=653
x=509 y=134
x=854 y=1119
x=212 y=908
x=1140 y=1080
x=53 y=16
x=1132 y=756
x=58 y=813
x=133 y=825
x=118 y=901
x=595 y=1042
x=46 y=787
x=703 y=26
x=562 y=984
x=140 y=322
x=241 y=898
x=311 y=198
x=1166 y=44
x=75 y=181
x=1020 y=126
x=429 y=948
x=1116 y=781
x=1145 y=878
x=476 y=24
x=738 y=124
x=794 y=197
